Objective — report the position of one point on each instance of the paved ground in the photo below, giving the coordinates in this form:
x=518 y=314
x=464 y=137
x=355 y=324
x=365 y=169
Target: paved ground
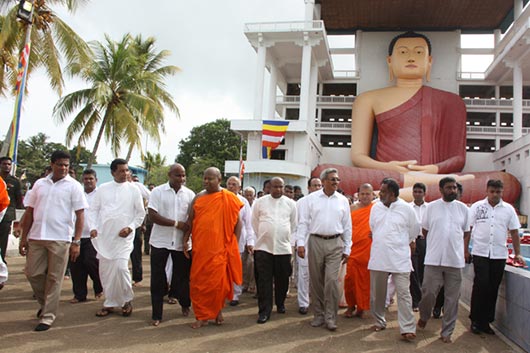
x=77 y=329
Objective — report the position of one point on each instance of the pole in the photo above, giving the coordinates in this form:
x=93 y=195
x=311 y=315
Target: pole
x=10 y=146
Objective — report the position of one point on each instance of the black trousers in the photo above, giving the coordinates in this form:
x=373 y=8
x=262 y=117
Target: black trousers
x=416 y=276
x=269 y=267
x=86 y=265
x=488 y=277
x=136 y=256
x=5 y=228
x=180 y=281
x=147 y=236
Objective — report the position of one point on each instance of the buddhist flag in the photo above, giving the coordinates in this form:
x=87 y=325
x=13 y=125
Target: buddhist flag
x=11 y=140
x=241 y=169
x=273 y=132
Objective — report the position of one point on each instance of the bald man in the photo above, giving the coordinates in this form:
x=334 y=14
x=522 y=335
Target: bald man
x=274 y=222
x=216 y=227
x=168 y=209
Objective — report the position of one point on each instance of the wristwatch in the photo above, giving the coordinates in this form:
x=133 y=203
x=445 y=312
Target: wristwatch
x=76 y=242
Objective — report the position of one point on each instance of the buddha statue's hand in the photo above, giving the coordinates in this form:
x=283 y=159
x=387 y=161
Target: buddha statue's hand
x=429 y=168
x=400 y=166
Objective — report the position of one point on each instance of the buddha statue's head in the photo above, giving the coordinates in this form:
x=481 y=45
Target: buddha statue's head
x=409 y=57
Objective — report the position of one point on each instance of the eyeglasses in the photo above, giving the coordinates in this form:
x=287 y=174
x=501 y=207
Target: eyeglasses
x=334 y=179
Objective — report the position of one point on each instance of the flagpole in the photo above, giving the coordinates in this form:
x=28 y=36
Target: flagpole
x=10 y=145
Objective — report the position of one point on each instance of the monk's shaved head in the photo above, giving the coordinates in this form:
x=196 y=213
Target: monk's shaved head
x=211 y=180
x=366 y=186
x=213 y=171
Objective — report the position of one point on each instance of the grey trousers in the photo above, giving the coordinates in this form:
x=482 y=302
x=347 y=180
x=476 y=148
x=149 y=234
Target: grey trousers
x=324 y=258
x=434 y=278
x=378 y=288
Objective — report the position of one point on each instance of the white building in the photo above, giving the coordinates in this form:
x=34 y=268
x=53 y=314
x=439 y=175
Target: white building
x=296 y=80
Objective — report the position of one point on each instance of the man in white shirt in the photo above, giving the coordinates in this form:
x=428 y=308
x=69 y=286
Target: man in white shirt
x=491 y=220
x=314 y=184
x=394 y=228
x=87 y=263
x=418 y=255
x=47 y=231
x=136 y=254
x=327 y=220
x=168 y=208
x=249 y=283
x=273 y=221
x=233 y=184
x=446 y=229
x=117 y=210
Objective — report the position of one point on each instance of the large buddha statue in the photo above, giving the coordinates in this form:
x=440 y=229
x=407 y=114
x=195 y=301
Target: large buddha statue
x=412 y=132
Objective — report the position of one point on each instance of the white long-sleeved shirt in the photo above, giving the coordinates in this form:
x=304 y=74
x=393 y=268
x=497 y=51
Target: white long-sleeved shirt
x=247 y=233
x=325 y=215
x=274 y=221
x=490 y=228
x=393 y=229
x=86 y=228
x=446 y=223
x=116 y=206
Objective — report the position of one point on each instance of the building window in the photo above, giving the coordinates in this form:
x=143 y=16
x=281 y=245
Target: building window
x=480 y=145
x=476 y=91
x=278 y=155
x=339 y=89
x=292 y=114
x=339 y=141
x=336 y=115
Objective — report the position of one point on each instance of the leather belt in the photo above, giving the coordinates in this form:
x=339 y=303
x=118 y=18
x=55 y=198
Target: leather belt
x=326 y=237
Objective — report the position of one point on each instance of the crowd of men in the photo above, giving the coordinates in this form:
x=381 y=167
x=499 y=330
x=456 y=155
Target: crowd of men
x=208 y=248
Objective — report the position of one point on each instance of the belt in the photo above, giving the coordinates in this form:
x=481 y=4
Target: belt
x=326 y=237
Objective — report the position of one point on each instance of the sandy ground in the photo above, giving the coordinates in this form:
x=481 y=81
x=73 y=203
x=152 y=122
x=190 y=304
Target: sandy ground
x=77 y=329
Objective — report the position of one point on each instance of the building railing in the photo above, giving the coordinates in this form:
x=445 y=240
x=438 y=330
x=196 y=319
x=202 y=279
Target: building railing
x=494 y=130
x=463 y=75
x=514 y=29
x=320 y=99
x=487 y=130
x=286 y=26
x=345 y=74
x=492 y=102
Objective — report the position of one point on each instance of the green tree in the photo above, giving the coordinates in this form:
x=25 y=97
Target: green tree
x=149 y=63
x=34 y=156
x=118 y=102
x=157 y=175
x=213 y=142
x=53 y=43
x=153 y=160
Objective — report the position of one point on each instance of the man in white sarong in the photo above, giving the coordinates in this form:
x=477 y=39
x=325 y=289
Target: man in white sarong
x=117 y=210
x=233 y=184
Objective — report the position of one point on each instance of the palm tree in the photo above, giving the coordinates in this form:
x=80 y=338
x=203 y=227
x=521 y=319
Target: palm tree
x=150 y=65
x=118 y=102
x=153 y=160
x=52 y=40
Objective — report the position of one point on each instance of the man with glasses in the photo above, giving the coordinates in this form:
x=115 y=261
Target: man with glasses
x=326 y=218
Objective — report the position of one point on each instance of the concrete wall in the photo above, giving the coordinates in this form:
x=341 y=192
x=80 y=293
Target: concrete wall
x=512 y=316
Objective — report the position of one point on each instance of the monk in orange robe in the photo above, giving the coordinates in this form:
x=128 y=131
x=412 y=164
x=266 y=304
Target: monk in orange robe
x=215 y=229
x=4 y=199
x=357 y=280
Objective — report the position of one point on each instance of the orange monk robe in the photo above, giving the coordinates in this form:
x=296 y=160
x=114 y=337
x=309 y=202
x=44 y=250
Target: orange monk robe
x=4 y=198
x=357 y=280
x=216 y=263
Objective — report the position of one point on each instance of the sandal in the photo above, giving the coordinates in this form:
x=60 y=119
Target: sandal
x=104 y=312
x=199 y=323
x=219 y=319
x=348 y=313
x=377 y=328
x=172 y=300
x=127 y=309
x=408 y=336
x=156 y=323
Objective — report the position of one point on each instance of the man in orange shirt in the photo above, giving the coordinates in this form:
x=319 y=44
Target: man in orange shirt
x=357 y=280
x=216 y=227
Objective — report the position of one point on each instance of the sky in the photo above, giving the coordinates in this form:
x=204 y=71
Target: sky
x=206 y=41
